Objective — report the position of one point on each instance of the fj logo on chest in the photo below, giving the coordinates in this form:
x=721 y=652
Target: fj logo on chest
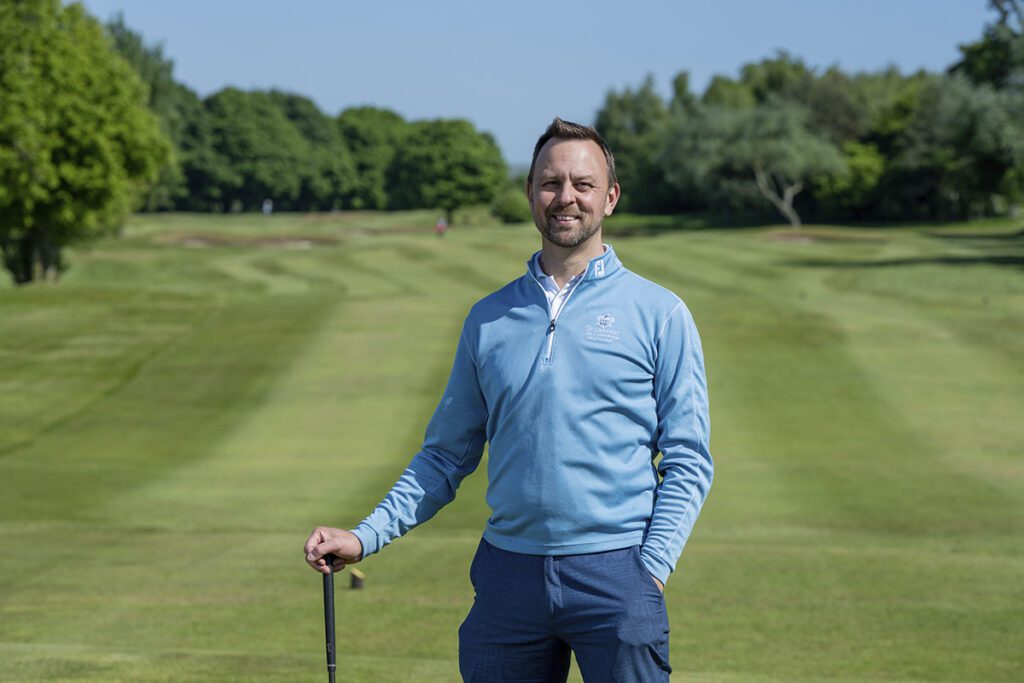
x=603 y=330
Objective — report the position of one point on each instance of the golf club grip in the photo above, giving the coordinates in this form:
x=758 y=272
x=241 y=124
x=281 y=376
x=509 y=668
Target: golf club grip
x=329 y=616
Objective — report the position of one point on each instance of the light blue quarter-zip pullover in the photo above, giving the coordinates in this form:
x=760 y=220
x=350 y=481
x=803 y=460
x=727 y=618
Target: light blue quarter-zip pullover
x=575 y=410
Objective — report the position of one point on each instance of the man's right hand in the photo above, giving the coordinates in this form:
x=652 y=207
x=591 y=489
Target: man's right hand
x=343 y=545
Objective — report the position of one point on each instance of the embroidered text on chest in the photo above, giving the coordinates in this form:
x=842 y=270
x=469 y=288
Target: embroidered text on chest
x=604 y=330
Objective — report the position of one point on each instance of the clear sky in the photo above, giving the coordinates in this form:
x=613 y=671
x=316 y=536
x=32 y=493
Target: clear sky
x=510 y=67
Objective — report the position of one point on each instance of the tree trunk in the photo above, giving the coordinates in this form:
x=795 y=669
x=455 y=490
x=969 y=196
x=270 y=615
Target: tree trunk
x=31 y=257
x=37 y=255
x=19 y=254
x=8 y=254
x=448 y=214
x=784 y=204
x=49 y=256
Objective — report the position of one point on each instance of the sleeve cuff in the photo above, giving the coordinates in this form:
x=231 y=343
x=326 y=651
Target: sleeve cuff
x=367 y=538
x=658 y=568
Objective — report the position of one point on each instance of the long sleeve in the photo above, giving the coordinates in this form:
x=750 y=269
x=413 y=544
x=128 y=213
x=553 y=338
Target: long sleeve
x=680 y=391
x=452 y=448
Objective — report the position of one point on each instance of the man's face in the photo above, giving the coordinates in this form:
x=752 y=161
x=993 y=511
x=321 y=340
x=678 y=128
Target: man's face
x=570 y=194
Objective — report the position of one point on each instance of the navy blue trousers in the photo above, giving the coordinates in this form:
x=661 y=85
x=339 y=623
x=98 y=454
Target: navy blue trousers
x=530 y=611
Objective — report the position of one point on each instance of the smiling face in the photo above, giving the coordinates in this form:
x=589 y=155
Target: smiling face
x=570 y=193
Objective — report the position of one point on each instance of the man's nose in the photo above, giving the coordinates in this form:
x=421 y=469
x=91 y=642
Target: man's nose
x=566 y=195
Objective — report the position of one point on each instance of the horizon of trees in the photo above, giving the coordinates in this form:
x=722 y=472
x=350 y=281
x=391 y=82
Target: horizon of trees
x=782 y=136
x=236 y=148
x=871 y=146
x=93 y=124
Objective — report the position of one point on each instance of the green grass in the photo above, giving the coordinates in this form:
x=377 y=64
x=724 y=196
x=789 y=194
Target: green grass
x=174 y=419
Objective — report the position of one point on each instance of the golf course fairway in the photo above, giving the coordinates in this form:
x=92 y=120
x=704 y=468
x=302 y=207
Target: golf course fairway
x=193 y=397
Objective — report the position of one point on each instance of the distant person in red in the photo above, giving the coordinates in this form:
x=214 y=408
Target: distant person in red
x=441 y=227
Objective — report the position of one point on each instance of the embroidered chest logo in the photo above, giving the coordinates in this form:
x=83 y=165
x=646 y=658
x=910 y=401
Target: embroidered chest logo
x=604 y=330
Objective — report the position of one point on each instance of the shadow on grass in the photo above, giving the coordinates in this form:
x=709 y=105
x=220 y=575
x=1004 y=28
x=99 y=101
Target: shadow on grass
x=982 y=239
x=1004 y=261
x=1000 y=249
x=642 y=225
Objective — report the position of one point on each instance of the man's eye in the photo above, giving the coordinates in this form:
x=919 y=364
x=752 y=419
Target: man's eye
x=584 y=186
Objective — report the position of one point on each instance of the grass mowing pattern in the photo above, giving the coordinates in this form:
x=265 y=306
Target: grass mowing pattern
x=174 y=419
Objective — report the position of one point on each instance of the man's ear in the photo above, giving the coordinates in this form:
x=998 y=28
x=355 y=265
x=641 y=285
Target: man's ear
x=529 y=193
x=614 y=192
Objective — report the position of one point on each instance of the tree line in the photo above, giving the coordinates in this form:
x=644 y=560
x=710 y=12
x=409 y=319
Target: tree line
x=93 y=124
x=829 y=145
x=235 y=149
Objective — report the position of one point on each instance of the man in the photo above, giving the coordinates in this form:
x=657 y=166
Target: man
x=577 y=374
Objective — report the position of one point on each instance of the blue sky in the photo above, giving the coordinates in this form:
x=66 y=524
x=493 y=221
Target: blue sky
x=511 y=67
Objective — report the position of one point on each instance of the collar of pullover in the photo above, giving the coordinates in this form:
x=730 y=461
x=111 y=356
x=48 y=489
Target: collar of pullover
x=598 y=268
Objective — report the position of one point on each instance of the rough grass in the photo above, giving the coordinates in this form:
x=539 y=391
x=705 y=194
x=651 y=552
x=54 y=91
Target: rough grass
x=174 y=418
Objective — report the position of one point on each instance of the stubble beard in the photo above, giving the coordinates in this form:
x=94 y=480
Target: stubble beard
x=569 y=239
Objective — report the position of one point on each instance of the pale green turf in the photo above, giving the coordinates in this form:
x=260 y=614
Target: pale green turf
x=174 y=420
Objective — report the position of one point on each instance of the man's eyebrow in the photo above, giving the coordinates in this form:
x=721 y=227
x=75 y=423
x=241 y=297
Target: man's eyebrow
x=576 y=178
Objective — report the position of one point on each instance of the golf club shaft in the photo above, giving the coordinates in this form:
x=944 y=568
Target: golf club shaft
x=329 y=617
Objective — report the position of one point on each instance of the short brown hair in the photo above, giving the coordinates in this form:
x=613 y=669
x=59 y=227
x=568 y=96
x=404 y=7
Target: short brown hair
x=567 y=130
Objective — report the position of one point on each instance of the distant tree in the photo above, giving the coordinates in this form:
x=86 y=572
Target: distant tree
x=683 y=100
x=692 y=160
x=631 y=121
x=961 y=153
x=510 y=204
x=782 y=77
x=889 y=100
x=446 y=164
x=264 y=156
x=836 y=112
x=776 y=145
x=726 y=93
x=372 y=136
x=328 y=177
x=77 y=141
x=852 y=192
x=165 y=99
x=769 y=150
x=998 y=58
x=209 y=174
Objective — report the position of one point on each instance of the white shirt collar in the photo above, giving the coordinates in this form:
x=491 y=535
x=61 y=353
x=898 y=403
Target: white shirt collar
x=548 y=282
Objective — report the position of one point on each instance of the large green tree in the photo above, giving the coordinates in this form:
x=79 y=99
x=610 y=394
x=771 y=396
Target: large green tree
x=373 y=136
x=961 y=155
x=769 y=150
x=77 y=141
x=446 y=164
x=852 y=192
x=260 y=154
x=328 y=176
x=835 y=111
x=167 y=98
x=631 y=121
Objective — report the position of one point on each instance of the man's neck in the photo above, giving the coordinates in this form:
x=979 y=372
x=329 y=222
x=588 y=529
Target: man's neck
x=562 y=263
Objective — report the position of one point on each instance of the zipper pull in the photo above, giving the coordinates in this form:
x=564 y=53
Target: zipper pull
x=551 y=327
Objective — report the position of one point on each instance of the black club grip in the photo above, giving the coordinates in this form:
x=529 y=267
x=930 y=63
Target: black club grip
x=329 y=617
